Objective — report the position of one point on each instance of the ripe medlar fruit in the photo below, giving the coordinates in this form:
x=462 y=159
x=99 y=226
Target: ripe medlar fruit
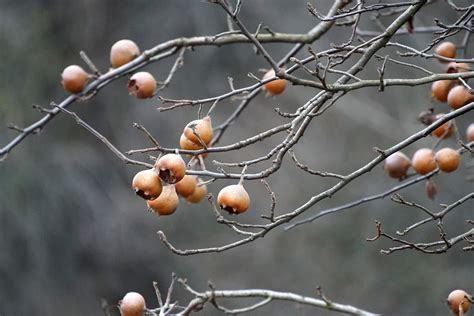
x=171 y=168
x=147 y=184
x=274 y=87
x=132 y=304
x=74 y=78
x=457 y=300
x=166 y=203
x=423 y=161
x=122 y=52
x=234 y=199
x=202 y=127
x=448 y=159
x=142 y=85
x=397 y=165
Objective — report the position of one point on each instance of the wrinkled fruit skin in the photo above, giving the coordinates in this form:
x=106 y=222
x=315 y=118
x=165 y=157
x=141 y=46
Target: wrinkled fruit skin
x=440 y=89
x=199 y=193
x=203 y=128
x=123 y=52
x=397 y=165
x=186 y=186
x=171 y=168
x=74 y=79
x=234 y=199
x=132 y=304
x=470 y=133
x=456 y=299
x=446 y=49
x=142 y=85
x=459 y=96
x=448 y=159
x=147 y=184
x=446 y=130
x=166 y=203
x=274 y=87
x=423 y=161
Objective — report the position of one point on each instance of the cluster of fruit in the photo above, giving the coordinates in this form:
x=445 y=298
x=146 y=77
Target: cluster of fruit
x=446 y=159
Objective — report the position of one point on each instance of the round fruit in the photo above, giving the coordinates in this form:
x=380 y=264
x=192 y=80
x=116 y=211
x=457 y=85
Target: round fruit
x=423 y=161
x=142 y=85
x=166 y=203
x=234 y=199
x=448 y=159
x=470 y=133
x=186 y=144
x=274 y=87
x=459 y=96
x=397 y=165
x=123 y=52
x=74 y=78
x=199 y=193
x=147 y=184
x=171 y=168
x=454 y=67
x=186 y=186
x=132 y=304
x=440 y=89
x=202 y=127
x=445 y=130
x=457 y=300
x=446 y=49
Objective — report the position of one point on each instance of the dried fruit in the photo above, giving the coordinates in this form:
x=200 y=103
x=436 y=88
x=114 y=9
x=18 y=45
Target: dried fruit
x=448 y=159
x=445 y=130
x=202 y=127
x=122 y=52
x=142 y=85
x=459 y=96
x=423 y=161
x=132 y=304
x=397 y=165
x=147 y=184
x=199 y=193
x=166 y=203
x=459 y=300
x=74 y=78
x=274 y=87
x=186 y=186
x=234 y=199
x=171 y=168
x=446 y=49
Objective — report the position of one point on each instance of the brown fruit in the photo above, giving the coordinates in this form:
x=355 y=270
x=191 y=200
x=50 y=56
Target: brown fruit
x=397 y=165
x=448 y=159
x=274 y=87
x=186 y=144
x=132 y=304
x=459 y=96
x=454 y=67
x=186 y=186
x=234 y=199
x=423 y=161
x=199 y=193
x=142 y=85
x=147 y=184
x=440 y=89
x=74 y=78
x=457 y=300
x=446 y=49
x=470 y=133
x=123 y=52
x=202 y=127
x=431 y=189
x=166 y=203
x=445 y=130
x=171 y=168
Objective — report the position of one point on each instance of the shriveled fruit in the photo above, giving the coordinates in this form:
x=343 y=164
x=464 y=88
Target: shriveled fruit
x=423 y=161
x=147 y=184
x=132 y=304
x=234 y=199
x=445 y=130
x=274 y=87
x=74 y=78
x=446 y=49
x=202 y=127
x=397 y=165
x=171 y=168
x=459 y=300
x=166 y=203
x=440 y=89
x=186 y=186
x=199 y=193
x=123 y=52
x=459 y=96
x=448 y=159
x=142 y=85
x=470 y=133
x=454 y=67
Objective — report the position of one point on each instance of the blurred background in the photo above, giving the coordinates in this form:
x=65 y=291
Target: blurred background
x=73 y=231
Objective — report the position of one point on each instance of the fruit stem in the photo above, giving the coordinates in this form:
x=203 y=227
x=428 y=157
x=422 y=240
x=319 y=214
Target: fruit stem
x=242 y=175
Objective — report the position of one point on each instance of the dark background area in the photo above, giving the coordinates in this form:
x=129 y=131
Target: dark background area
x=73 y=232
